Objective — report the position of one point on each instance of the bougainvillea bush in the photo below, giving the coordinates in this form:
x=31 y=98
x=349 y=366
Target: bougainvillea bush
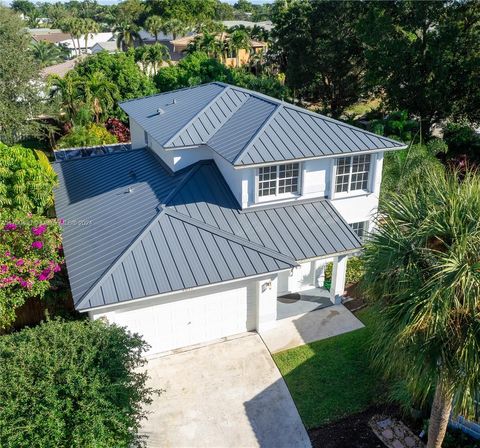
x=30 y=255
x=74 y=384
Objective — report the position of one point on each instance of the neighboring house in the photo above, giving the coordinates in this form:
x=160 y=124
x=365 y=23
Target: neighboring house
x=55 y=36
x=93 y=39
x=181 y=44
x=225 y=200
x=109 y=46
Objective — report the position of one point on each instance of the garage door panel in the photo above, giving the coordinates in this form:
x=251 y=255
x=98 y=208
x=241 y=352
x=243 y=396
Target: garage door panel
x=193 y=320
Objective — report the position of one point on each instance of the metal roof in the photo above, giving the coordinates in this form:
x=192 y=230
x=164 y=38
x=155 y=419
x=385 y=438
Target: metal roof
x=133 y=229
x=246 y=127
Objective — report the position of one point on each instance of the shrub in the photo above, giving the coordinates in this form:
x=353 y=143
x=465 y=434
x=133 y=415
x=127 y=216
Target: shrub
x=72 y=384
x=91 y=135
x=118 y=129
x=29 y=258
x=354 y=270
x=24 y=183
x=462 y=140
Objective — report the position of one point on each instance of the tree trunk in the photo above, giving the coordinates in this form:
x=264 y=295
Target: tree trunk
x=439 y=415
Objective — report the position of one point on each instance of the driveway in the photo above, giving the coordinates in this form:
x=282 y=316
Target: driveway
x=228 y=394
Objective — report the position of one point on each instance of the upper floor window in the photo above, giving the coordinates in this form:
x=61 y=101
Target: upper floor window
x=360 y=228
x=352 y=173
x=278 y=179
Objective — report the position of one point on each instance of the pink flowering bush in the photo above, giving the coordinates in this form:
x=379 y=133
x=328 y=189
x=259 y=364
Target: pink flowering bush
x=30 y=255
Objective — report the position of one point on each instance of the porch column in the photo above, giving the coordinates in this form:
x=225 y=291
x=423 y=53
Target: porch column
x=338 y=278
x=318 y=273
x=266 y=303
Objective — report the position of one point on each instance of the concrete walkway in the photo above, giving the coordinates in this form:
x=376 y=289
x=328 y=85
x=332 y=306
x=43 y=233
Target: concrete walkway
x=313 y=326
x=229 y=394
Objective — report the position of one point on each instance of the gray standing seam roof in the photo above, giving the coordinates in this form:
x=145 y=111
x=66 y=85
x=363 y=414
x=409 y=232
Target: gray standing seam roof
x=150 y=231
x=246 y=127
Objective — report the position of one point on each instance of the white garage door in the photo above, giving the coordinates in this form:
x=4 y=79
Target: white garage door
x=182 y=322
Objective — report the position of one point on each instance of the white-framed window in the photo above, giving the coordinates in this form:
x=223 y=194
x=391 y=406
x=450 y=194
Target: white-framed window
x=360 y=228
x=278 y=180
x=352 y=173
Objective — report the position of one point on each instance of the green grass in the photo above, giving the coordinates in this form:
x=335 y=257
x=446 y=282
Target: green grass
x=332 y=378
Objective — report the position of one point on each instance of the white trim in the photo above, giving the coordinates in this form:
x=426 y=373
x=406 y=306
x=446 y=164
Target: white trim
x=172 y=293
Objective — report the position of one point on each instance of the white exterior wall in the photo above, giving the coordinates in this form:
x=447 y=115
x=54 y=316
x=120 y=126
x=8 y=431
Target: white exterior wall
x=197 y=316
x=137 y=135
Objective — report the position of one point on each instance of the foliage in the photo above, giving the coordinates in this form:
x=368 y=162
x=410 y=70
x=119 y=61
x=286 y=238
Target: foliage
x=72 y=384
x=152 y=57
x=24 y=183
x=322 y=54
x=332 y=378
x=90 y=135
x=47 y=53
x=118 y=129
x=354 y=273
x=462 y=140
x=422 y=274
x=128 y=35
x=402 y=168
x=29 y=258
x=121 y=69
x=198 y=68
x=425 y=57
x=397 y=125
x=20 y=99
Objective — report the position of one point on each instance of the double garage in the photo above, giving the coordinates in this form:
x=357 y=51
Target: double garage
x=197 y=316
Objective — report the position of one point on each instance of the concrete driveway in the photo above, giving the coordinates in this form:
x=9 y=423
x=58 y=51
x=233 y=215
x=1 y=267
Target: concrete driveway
x=228 y=394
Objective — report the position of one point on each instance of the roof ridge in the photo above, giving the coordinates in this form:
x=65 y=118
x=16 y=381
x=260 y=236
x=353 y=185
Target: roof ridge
x=255 y=136
x=230 y=236
x=212 y=101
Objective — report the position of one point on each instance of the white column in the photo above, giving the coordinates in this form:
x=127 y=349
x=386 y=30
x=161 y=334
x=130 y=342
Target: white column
x=319 y=273
x=338 y=278
x=266 y=303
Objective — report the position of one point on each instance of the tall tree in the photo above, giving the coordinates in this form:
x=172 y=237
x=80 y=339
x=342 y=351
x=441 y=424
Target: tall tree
x=154 y=25
x=175 y=27
x=239 y=40
x=423 y=276
x=322 y=54
x=100 y=94
x=89 y=27
x=127 y=35
x=425 y=56
x=20 y=101
x=46 y=53
x=67 y=90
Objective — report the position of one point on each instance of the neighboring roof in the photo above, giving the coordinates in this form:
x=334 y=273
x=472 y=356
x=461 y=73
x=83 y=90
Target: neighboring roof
x=93 y=39
x=133 y=229
x=60 y=69
x=266 y=25
x=246 y=127
x=53 y=37
x=110 y=46
x=185 y=40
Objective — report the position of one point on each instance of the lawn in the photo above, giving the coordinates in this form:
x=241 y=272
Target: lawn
x=332 y=378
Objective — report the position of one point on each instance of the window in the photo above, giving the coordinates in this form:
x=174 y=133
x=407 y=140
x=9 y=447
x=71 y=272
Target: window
x=352 y=173
x=278 y=180
x=360 y=228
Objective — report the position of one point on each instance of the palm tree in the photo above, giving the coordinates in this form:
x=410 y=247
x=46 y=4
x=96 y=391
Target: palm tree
x=154 y=25
x=100 y=94
x=156 y=55
x=89 y=27
x=72 y=26
x=207 y=43
x=423 y=276
x=46 y=53
x=67 y=89
x=127 y=35
x=239 y=40
x=175 y=27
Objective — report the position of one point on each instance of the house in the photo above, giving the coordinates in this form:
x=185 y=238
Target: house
x=86 y=45
x=231 y=59
x=110 y=46
x=267 y=25
x=54 y=36
x=225 y=200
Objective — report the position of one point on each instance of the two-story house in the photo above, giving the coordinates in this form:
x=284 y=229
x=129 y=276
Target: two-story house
x=225 y=200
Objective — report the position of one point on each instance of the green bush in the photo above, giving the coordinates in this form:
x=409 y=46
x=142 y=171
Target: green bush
x=462 y=139
x=91 y=135
x=354 y=270
x=25 y=184
x=72 y=384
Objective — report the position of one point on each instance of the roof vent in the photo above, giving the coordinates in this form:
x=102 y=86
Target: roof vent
x=130 y=190
x=174 y=101
x=160 y=111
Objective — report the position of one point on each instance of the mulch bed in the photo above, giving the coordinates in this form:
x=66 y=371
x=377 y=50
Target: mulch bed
x=352 y=431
